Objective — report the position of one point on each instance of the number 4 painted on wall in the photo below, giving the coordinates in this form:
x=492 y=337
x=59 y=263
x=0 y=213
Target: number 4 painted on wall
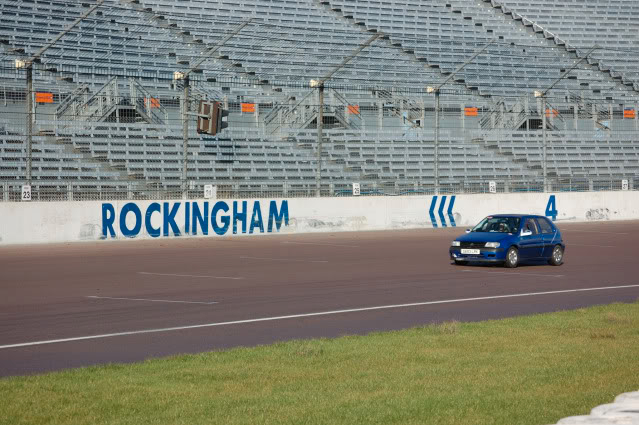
x=551 y=208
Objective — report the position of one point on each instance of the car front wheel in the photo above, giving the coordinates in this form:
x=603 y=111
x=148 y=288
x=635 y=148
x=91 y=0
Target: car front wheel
x=557 y=257
x=512 y=258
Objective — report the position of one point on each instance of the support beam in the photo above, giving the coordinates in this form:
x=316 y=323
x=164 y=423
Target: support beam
x=320 y=136
x=185 y=137
x=29 y=121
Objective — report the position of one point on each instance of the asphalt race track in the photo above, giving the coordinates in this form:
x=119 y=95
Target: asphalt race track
x=80 y=304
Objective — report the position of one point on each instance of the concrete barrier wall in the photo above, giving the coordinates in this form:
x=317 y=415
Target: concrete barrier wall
x=49 y=222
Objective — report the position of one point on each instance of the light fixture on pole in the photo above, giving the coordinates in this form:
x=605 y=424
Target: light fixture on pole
x=542 y=95
x=319 y=84
x=28 y=66
x=320 y=128
x=184 y=76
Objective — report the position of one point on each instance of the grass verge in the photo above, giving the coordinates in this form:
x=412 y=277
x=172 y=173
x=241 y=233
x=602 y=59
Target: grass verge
x=525 y=370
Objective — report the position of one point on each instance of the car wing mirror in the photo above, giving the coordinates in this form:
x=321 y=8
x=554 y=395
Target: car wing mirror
x=467 y=230
x=526 y=233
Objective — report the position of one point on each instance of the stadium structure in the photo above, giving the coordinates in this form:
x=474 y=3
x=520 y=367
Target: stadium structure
x=100 y=100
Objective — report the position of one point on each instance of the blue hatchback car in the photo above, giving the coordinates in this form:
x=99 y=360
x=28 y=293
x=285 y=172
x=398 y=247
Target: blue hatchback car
x=510 y=239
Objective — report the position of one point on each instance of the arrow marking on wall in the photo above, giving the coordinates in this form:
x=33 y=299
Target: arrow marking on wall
x=451 y=218
x=440 y=211
x=432 y=212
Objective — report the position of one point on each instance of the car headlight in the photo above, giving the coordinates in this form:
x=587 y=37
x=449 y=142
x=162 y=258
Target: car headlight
x=492 y=245
x=455 y=243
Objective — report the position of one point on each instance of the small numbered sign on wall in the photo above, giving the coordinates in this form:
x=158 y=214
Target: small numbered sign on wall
x=492 y=187
x=356 y=190
x=26 y=192
x=624 y=185
x=208 y=191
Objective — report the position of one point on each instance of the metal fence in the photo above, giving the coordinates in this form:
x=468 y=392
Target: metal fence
x=46 y=192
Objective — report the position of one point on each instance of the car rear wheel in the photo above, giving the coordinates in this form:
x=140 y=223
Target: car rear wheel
x=512 y=258
x=557 y=257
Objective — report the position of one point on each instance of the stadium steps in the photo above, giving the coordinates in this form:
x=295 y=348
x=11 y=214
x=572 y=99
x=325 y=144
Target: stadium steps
x=412 y=110
x=509 y=156
x=100 y=161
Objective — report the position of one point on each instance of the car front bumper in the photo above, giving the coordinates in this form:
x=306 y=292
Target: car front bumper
x=488 y=255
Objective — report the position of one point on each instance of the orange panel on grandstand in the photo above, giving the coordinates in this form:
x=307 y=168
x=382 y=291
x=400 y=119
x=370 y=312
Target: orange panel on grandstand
x=629 y=113
x=248 y=107
x=42 y=97
x=152 y=102
x=353 y=109
x=470 y=112
x=554 y=112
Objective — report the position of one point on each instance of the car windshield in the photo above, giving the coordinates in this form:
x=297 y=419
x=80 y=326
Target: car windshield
x=498 y=225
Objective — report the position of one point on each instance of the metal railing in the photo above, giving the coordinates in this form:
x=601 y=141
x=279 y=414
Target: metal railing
x=11 y=191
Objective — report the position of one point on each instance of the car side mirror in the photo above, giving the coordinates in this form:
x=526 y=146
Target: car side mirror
x=526 y=233
x=467 y=230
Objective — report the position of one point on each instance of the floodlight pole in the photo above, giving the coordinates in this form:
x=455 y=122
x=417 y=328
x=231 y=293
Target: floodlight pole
x=437 y=91
x=185 y=137
x=320 y=114
x=544 y=144
x=29 y=121
x=28 y=65
x=320 y=138
x=542 y=95
x=185 y=102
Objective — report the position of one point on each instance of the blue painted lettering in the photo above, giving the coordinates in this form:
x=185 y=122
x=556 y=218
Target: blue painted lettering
x=256 y=218
x=274 y=215
x=108 y=217
x=202 y=220
x=187 y=217
x=126 y=209
x=226 y=220
x=152 y=231
x=239 y=216
x=198 y=218
x=169 y=219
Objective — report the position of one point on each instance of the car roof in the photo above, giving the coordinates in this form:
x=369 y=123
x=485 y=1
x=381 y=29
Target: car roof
x=516 y=215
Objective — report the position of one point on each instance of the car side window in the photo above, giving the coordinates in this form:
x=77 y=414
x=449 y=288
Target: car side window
x=531 y=226
x=544 y=225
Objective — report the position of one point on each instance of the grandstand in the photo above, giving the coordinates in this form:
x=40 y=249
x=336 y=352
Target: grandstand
x=107 y=121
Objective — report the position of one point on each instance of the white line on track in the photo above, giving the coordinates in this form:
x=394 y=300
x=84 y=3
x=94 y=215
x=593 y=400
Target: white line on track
x=285 y=259
x=320 y=244
x=517 y=273
x=322 y=313
x=147 y=299
x=191 y=275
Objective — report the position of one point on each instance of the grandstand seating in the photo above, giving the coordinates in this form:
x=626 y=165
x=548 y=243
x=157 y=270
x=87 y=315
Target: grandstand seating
x=609 y=25
x=133 y=48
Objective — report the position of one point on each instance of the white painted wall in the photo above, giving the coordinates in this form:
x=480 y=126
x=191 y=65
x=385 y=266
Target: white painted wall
x=48 y=222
